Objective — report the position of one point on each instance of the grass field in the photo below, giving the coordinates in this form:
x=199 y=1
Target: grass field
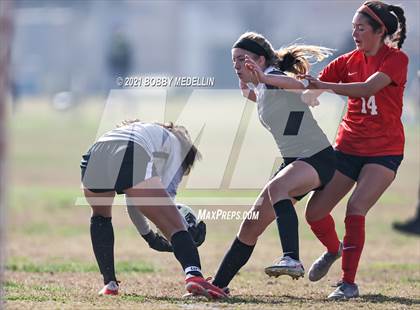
x=50 y=263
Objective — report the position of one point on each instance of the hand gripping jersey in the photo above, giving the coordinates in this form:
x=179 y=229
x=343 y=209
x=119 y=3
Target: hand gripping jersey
x=289 y=120
x=371 y=126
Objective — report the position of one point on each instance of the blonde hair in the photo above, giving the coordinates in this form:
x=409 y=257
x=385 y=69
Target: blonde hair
x=294 y=58
x=188 y=148
x=181 y=133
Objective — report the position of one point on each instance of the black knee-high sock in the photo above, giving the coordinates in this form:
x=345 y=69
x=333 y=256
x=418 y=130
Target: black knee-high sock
x=186 y=253
x=287 y=224
x=237 y=256
x=102 y=235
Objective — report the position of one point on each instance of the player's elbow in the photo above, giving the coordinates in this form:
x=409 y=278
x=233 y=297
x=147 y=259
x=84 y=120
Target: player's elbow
x=367 y=90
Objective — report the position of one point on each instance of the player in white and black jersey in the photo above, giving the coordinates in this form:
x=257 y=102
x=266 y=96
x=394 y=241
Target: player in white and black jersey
x=153 y=239
x=141 y=160
x=309 y=161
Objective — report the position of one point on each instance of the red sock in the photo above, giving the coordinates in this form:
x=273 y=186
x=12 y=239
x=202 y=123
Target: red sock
x=353 y=242
x=324 y=230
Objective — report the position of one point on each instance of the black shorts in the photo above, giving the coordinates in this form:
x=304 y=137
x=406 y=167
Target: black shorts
x=323 y=162
x=115 y=166
x=351 y=165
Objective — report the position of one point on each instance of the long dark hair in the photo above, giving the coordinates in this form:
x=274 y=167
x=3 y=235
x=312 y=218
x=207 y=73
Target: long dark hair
x=393 y=18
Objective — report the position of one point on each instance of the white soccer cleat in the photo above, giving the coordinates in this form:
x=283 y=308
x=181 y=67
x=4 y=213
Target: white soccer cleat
x=286 y=266
x=109 y=289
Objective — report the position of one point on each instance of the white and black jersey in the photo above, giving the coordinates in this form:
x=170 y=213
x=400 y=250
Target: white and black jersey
x=161 y=145
x=289 y=120
x=130 y=154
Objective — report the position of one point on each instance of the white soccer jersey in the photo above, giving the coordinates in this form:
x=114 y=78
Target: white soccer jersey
x=161 y=145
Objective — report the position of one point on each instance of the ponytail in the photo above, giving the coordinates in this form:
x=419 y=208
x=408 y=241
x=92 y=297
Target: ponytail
x=296 y=58
x=400 y=35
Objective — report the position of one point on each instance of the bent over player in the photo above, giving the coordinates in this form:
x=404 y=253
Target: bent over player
x=131 y=159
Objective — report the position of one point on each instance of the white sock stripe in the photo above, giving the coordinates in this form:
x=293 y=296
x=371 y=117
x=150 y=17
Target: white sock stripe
x=192 y=268
x=348 y=248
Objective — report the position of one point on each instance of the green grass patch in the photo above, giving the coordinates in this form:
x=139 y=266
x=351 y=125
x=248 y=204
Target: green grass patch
x=133 y=297
x=34 y=298
x=393 y=198
x=12 y=285
x=48 y=288
x=46 y=229
x=22 y=264
x=41 y=228
x=50 y=198
x=395 y=266
x=410 y=280
x=141 y=267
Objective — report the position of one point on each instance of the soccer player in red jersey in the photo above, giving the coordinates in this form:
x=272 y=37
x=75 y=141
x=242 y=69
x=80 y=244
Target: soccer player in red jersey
x=370 y=141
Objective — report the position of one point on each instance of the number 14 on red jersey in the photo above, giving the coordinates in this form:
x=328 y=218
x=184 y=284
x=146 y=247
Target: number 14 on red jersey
x=371 y=105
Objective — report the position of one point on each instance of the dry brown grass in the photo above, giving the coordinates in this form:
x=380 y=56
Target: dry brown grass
x=49 y=238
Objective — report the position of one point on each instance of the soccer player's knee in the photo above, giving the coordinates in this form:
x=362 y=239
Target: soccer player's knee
x=101 y=211
x=277 y=191
x=357 y=206
x=249 y=229
x=310 y=214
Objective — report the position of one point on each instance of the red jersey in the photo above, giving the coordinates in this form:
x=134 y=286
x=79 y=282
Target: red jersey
x=371 y=126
